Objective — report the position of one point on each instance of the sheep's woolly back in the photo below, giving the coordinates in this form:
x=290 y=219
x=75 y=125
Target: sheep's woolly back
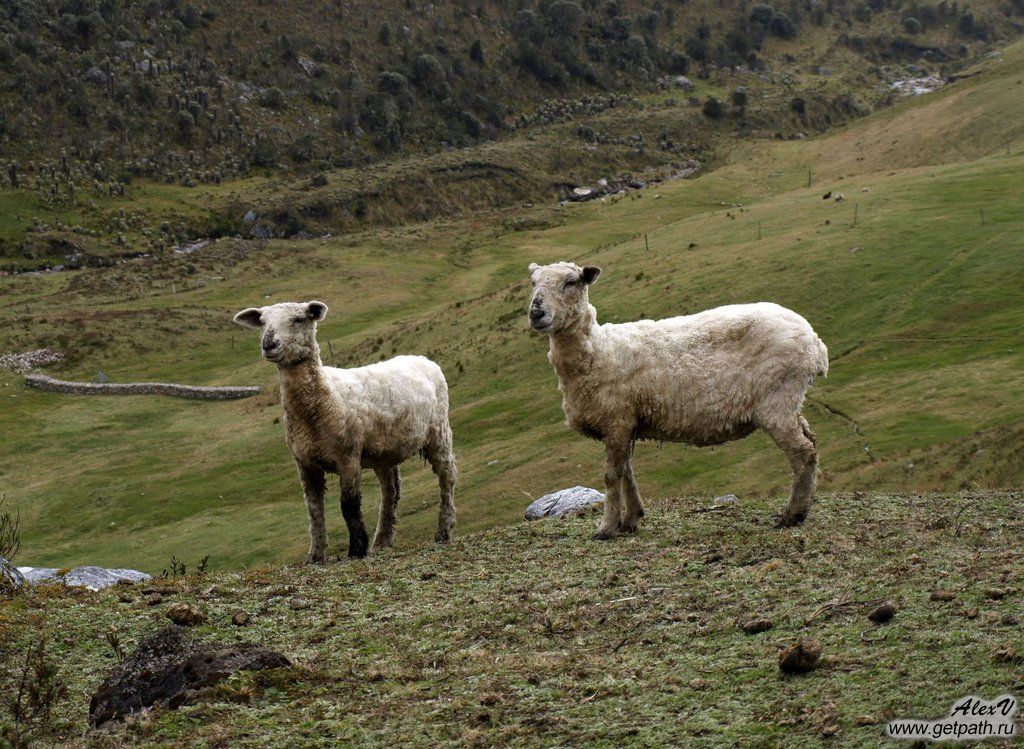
x=703 y=378
x=385 y=412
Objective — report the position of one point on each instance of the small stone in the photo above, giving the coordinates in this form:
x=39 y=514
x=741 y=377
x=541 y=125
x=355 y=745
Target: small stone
x=972 y=613
x=699 y=684
x=883 y=612
x=865 y=720
x=802 y=657
x=943 y=595
x=830 y=730
x=185 y=614
x=1010 y=620
x=299 y=604
x=564 y=502
x=153 y=599
x=756 y=626
x=996 y=594
x=240 y=618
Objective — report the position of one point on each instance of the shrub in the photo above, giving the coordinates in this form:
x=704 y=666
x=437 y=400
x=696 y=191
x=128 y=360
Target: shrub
x=762 y=15
x=912 y=25
x=476 y=52
x=392 y=83
x=783 y=26
x=10 y=533
x=384 y=34
x=28 y=696
x=713 y=108
x=429 y=76
x=566 y=18
x=273 y=98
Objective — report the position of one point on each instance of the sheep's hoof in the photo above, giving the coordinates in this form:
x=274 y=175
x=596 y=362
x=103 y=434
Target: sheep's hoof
x=628 y=527
x=442 y=537
x=789 y=520
x=603 y=535
x=320 y=558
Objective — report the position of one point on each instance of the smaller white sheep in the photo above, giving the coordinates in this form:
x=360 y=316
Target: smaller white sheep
x=703 y=379
x=344 y=420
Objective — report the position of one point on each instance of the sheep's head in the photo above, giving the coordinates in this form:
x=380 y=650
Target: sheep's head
x=560 y=299
x=289 y=330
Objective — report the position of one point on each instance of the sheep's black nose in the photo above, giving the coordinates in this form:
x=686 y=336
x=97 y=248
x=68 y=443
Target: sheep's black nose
x=536 y=313
x=269 y=345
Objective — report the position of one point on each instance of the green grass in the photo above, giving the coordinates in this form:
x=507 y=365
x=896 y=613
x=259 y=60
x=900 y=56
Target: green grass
x=532 y=635
x=918 y=300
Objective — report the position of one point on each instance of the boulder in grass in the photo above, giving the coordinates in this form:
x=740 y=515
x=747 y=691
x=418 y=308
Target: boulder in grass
x=97 y=578
x=169 y=669
x=564 y=502
x=88 y=576
x=11 y=579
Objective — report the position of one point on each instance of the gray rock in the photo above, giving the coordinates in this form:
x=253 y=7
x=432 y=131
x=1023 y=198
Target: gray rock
x=261 y=232
x=564 y=502
x=249 y=217
x=725 y=500
x=309 y=67
x=95 y=75
x=97 y=578
x=37 y=575
x=93 y=578
x=11 y=578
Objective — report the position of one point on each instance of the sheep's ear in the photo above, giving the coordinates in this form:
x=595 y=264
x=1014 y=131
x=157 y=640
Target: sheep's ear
x=316 y=311
x=533 y=267
x=249 y=318
x=590 y=274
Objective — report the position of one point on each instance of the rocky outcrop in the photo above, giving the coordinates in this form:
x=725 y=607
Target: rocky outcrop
x=196 y=392
x=11 y=579
x=169 y=669
x=564 y=502
x=93 y=578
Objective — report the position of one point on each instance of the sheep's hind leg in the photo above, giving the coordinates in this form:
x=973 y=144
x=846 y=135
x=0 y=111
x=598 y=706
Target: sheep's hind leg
x=796 y=439
x=314 y=485
x=634 y=507
x=442 y=461
x=616 y=458
x=352 y=511
x=390 y=491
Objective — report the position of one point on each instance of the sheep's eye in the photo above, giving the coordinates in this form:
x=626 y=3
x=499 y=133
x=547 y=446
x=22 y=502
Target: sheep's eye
x=299 y=320
x=569 y=284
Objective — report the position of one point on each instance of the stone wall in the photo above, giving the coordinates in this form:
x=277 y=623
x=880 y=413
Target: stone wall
x=44 y=382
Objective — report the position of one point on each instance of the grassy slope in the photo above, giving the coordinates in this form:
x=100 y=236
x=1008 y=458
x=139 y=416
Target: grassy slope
x=919 y=303
x=530 y=635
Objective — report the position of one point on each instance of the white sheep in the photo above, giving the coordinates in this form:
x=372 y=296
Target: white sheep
x=703 y=379
x=344 y=420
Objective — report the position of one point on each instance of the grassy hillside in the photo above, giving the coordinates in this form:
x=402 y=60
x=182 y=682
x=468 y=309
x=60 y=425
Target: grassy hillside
x=530 y=635
x=914 y=282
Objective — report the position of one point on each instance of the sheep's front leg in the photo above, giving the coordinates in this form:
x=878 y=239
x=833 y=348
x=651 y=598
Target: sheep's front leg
x=634 y=507
x=352 y=510
x=616 y=458
x=314 y=485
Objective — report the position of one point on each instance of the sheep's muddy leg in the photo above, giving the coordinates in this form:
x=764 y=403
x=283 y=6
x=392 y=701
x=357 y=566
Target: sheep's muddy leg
x=634 y=507
x=390 y=490
x=797 y=440
x=352 y=511
x=443 y=464
x=314 y=485
x=616 y=459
